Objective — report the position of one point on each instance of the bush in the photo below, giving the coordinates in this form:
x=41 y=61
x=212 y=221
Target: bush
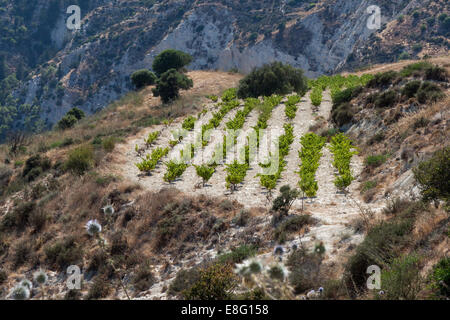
x=402 y=279
x=284 y=201
x=143 y=278
x=342 y=114
x=68 y=121
x=170 y=59
x=382 y=243
x=305 y=270
x=291 y=224
x=433 y=176
x=436 y=73
x=375 y=160
x=34 y=166
x=382 y=79
x=237 y=255
x=184 y=280
x=99 y=289
x=109 y=144
x=77 y=113
x=273 y=78
x=80 y=160
x=345 y=95
x=142 y=78
x=169 y=85
x=216 y=282
x=429 y=92
x=64 y=252
x=386 y=99
x=411 y=88
x=440 y=277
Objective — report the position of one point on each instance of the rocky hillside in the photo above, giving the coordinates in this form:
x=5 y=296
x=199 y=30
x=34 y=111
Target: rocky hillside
x=56 y=69
x=77 y=197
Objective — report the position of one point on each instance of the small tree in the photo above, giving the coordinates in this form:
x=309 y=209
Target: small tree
x=284 y=201
x=170 y=59
x=205 y=172
x=169 y=85
x=142 y=78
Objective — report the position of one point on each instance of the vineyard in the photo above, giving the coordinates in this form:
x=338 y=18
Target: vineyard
x=175 y=157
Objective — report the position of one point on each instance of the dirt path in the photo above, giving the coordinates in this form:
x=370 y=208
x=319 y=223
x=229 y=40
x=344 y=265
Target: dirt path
x=303 y=119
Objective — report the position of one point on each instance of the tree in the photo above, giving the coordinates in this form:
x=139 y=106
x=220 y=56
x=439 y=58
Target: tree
x=77 y=113
x=273 y=78
x=142 y=78
x=169 y=85
x=170 y=59
x=285 y=200
x=71 y=117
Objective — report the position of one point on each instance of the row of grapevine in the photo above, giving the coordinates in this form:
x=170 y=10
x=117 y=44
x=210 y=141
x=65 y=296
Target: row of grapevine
x=316 y=96
x=341 y=147
x=310 y=154
x=151 y=160
x=291 y=106
x=217 y=118
x=266 y=109
x=174 y=170
x=269 y=181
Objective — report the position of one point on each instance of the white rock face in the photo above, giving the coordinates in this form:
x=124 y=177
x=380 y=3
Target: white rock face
x=318 y=42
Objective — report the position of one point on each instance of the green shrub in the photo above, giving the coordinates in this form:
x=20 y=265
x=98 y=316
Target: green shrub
x=64 y=252
x=273 y=78
x=305 y=270
x=109 y=144
x=34 y=166
x=375 y=160
x=386 y=99
x=382 y=243
x=68 y=121
x=436 y=73
x=284 y=201
x=411 y=88
x=429 y=92
x=184 y=280
x=142 y=78
x=80 y=160
x=342 y=114
x=440 y=277
x=76 y=112
x=382 y=79
x=291 y=224
x=433 y=176
x=237 y=255
x=401 y=280
x=216 y=282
